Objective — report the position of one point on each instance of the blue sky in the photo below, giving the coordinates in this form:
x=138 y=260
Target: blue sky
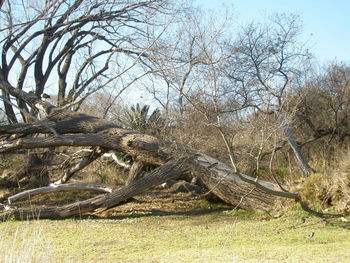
x=326 y=23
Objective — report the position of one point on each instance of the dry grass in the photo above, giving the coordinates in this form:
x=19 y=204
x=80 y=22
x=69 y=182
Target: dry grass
x=340 y=178
x=330 y=188
x=28 y=243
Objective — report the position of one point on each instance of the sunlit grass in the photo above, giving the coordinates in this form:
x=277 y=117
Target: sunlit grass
x=24 y=242
x=226 y=236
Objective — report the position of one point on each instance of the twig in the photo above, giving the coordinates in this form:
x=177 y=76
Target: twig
x=244 y=196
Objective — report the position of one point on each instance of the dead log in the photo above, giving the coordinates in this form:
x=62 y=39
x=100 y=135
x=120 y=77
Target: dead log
x=73 y=129
x=171 y=170
x=220 y=180
x=97 y=187
x=135 y=172
x=240 y=190
x=145 y=147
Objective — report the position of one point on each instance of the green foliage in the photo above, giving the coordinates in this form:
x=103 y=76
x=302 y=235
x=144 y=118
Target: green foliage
x=139 y=118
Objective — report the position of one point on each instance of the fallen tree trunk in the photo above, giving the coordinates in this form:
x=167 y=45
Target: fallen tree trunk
x=228 y=186
x=240 y=190
x=97 y=187
x=170 y=170
x=65 y=128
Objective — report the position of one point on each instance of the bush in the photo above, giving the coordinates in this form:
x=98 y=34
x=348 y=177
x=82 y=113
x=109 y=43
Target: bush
x=330 y=189
x=315 y=191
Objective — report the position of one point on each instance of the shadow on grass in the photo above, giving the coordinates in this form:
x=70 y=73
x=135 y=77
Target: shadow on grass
x=158 y=212
x=335 y=220
x=338 y=224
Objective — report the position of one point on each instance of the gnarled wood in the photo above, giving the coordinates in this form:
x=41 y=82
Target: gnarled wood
x=171 y=170
x=237 y=189
x=112 y=139
x=220 y=180
x=135 y=171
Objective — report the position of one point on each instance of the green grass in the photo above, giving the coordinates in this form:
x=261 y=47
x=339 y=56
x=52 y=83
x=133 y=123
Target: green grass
x=224 y=236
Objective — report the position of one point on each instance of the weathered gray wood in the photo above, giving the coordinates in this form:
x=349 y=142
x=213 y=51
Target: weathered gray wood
x=304 y=165
x=218 y=178
x=104 y=188
x=170 y=170
x=135 y=171
x=240 y=190
x=112 y=139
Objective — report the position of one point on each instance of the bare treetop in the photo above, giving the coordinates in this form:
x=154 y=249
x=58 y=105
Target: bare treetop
x=73 y=48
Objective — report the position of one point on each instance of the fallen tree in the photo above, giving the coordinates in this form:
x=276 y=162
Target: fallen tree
x=62 y=127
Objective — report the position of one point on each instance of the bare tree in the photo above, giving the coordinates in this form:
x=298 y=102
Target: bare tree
x=325 y=107
x=266 y=66
x=71 y=49
x=192 y=48
x=259 y=70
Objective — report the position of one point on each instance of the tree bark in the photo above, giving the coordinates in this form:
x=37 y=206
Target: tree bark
x=240 y=190
x=135 y=171
x=219 y=180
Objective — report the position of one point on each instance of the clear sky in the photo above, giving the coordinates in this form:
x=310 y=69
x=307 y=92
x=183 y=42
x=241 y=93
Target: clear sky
x=326 y=23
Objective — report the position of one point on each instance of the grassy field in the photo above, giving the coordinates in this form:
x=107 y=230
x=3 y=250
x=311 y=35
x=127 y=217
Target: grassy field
x=206 y=235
